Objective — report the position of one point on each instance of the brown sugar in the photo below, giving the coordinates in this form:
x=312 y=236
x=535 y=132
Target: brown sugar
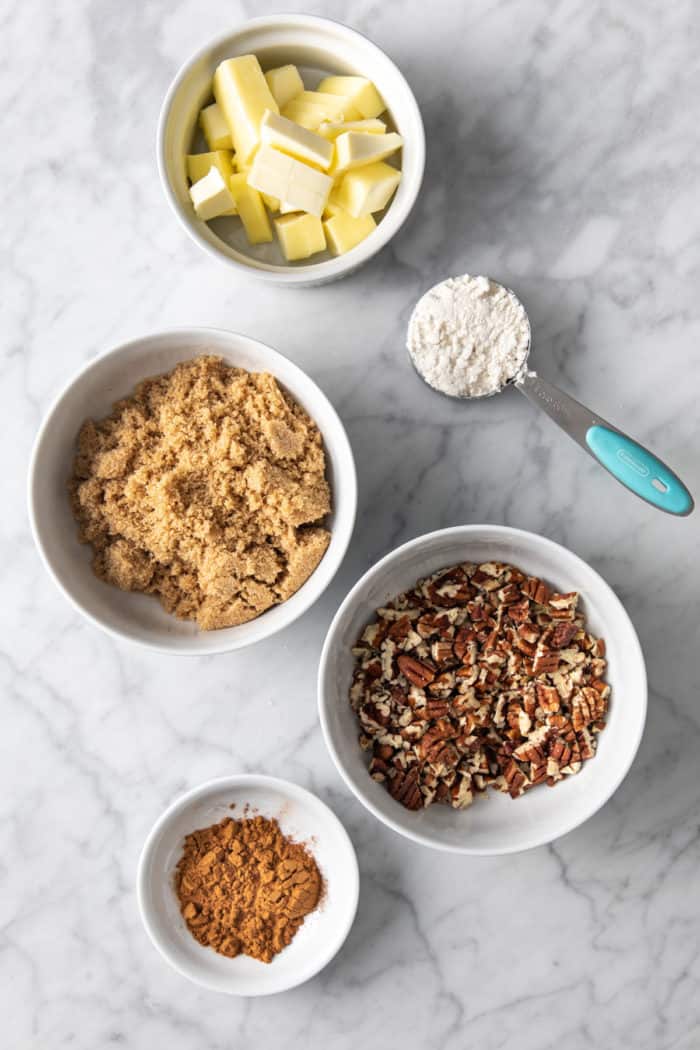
x=205 y=487
x=245 y=888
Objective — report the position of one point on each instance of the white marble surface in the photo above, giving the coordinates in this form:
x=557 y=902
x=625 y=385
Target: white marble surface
x=563 y=158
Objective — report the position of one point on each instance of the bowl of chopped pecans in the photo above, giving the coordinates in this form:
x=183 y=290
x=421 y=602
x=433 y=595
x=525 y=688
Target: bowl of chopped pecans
x=482 y=690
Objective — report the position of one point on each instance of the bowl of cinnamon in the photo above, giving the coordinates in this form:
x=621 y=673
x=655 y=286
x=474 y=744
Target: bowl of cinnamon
x=248 y=885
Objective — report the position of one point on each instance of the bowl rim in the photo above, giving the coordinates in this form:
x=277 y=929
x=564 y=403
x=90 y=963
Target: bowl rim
x=349 y=483
x=310 y=273
x=288 y=789
x=459 y=531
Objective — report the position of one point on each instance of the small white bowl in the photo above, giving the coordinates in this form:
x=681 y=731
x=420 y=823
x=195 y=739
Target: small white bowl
x=302 y=816
x=318 y=46
x=91 y=393
x=496 y=824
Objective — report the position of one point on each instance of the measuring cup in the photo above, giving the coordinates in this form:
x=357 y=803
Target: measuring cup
x=634 y=466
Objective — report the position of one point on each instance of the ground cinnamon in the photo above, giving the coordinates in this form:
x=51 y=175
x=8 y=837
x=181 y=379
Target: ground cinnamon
x=245 y=888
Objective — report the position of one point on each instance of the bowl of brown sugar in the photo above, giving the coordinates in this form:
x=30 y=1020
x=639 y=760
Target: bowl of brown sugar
x=248 y=885
x=192 y=491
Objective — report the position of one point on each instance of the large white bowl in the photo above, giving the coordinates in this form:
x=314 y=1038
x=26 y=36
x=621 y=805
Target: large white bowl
x=302 y=816
x=495 y=824
x=90 y=394
x=318 y=46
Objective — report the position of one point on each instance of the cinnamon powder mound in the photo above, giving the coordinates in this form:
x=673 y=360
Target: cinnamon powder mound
x=245 y=888
x=206 y=487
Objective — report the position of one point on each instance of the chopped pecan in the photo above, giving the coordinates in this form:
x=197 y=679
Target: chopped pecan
x=587 y=706
x=519 y=612
x=404 y=787
x=536 y=590
x=442 y=651
x=547 y=697
x=416 y=671
x=561 y=634
x=477 y=677
x=545 y=662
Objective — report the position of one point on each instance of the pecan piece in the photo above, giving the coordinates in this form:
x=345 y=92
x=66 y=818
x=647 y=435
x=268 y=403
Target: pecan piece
x=561 y=635
x=436 y=708
x=547 y=697
x=545 y=662
x=400 y=629
x=536 y=590
x=416 y=671
x=442 y=651
x=404 y=787
x=519 y=612
x=587 y=706
x=463 y=642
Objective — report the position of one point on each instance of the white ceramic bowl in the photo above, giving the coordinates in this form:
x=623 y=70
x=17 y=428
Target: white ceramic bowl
x=496 y=824
x=302 y=816
x=137 y=617
x=318 y=46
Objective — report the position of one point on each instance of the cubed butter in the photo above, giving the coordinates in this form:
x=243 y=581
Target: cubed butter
x=270 y=202
x=332 y=101
x=344 y=232
x=300 y=236
x=298 y=142
x=251 y=210
x=241 y=91
x=362 y=94
x=285 y=209
x=284 y=83
x=305 y=116
x=353 y=149
x=215 y=128
x=199 y=164
x=332 y=207
x=368 y=189
x=331 y=130
x=211 y=196
x=292 y=181
x=310 y=109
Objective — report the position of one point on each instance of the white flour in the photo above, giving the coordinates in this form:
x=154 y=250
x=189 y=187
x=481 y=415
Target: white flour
x=467 y=336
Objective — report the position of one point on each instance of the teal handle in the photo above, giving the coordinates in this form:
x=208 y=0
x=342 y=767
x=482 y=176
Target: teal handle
x=639 y=470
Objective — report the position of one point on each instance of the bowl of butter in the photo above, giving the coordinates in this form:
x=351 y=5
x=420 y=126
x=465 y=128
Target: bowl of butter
x=291 y=149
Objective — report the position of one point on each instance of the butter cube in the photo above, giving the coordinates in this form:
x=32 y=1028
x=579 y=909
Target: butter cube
x=310 y=117
x=330 y=130
x=298 y=142
x=284 y=83
x=272 y=203
x=251 y=209
x=310 y=109
x=199 y=164
x=332 y=207
x=362 y=94
x=368 y=189
x=285 y=209
x=353 y=149
x=300 y=236
x=241 y=91
x=344 y=232
x=332 y=102
x=298 y=185
x=211 y=196
x=214 y=127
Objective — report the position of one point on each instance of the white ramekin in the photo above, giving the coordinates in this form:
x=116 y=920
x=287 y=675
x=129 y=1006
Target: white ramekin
x=305 y=40
x=495 y=824
x=90 y=394
x=302 y=816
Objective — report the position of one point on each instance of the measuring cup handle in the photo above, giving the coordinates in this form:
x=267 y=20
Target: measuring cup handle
x=634 y=466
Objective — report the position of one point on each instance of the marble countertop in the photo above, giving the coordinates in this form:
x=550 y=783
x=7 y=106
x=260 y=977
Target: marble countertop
x=563 y=145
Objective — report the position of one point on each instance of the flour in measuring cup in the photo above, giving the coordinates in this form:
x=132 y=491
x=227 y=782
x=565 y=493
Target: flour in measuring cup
x=468 y=336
